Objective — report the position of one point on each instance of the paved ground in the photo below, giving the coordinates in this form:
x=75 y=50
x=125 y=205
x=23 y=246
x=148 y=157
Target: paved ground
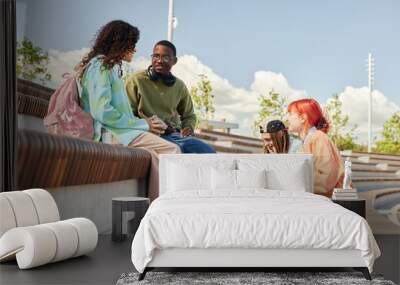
x=103 y=266
x=106 y=264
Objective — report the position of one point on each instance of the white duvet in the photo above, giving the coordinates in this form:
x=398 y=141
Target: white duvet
x=250 y=219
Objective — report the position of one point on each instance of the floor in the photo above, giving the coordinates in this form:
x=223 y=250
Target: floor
x=103 y=266
x=111 y=259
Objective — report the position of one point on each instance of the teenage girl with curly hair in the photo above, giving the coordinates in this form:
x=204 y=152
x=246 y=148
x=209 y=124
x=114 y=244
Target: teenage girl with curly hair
x=105 y=98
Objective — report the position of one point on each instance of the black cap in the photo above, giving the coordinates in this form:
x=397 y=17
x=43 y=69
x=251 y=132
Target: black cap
x=275 y=126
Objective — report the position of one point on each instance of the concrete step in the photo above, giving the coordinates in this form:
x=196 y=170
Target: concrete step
x=375 y=156
x=236 y=139
x=374 y=168
x=369 y=183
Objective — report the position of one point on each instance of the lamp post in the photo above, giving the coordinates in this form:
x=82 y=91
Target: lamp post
x=370 y=87
x=172 y=21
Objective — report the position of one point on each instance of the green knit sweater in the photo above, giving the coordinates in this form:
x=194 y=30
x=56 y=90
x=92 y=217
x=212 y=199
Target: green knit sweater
x=171 y=104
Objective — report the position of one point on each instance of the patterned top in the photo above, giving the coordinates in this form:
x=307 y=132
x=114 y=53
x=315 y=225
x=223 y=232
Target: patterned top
x=104 y=97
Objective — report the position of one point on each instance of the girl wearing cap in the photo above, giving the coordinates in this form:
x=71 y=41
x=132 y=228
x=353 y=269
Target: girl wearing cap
x=276 y=138
x=306 y=119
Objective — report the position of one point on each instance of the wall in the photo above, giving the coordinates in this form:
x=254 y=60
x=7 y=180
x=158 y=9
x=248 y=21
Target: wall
x=93 y=201
x=389 y=262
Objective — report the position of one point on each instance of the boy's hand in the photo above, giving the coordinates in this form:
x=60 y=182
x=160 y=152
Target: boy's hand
x=186 y=132
x=156 y=127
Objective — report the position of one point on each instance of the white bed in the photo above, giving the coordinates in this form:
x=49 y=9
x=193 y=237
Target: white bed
x=247 y=211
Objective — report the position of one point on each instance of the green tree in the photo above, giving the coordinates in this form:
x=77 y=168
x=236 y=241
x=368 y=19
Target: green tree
x=390 y=142
x=272 y=105
x=32 y=62
x=340 y=132
x=203 y=99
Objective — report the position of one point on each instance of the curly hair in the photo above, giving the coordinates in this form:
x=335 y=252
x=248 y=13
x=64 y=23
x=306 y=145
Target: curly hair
x=112 y=41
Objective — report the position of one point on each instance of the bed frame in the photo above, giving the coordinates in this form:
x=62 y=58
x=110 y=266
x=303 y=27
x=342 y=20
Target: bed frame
x=246 y=259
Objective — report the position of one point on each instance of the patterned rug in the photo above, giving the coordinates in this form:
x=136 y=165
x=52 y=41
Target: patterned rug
x=243 y=278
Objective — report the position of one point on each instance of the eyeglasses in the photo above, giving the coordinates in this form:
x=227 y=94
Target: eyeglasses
x=164 y=58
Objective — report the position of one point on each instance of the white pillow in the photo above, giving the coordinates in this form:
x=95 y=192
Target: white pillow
x=251 y=178
x=223 y=179
x=227 y=179
x=190 y=176
x=283 y=172
x=293 y=180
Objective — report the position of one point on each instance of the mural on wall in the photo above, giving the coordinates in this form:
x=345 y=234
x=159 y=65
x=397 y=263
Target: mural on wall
x=253 y=67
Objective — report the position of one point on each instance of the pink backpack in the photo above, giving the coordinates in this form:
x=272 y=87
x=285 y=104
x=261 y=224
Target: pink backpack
x=65 y=116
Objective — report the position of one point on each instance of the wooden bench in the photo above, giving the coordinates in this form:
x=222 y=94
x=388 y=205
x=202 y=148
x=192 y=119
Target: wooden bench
x=46 y=160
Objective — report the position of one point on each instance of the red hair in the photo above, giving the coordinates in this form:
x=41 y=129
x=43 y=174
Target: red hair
x=312 y=111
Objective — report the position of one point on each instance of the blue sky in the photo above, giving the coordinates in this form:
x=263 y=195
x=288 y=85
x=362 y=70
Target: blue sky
x=320 y=47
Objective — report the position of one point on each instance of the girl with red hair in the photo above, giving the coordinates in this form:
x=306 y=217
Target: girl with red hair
x=306 y=119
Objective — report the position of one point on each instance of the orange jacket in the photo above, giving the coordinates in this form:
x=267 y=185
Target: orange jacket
x=328 y=164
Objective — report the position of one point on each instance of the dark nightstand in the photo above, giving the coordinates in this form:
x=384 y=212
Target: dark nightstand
x=127 y=212
x=356 y=205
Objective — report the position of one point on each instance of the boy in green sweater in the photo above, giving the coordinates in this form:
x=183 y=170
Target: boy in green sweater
x=156 y=92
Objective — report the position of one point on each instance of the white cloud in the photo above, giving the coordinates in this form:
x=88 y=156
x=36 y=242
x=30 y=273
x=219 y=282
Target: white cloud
x=267 y=80
x=139 y=63
x=240 y=105
x=355 y=103
x=63 y=62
